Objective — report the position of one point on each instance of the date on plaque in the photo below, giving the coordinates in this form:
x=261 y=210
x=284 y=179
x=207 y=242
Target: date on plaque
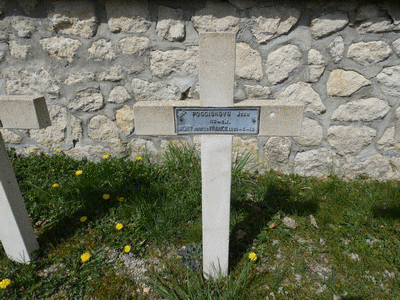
x=216 y=120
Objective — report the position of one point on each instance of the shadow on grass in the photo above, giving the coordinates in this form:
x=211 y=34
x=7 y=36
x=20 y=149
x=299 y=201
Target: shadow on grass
x=386 y=212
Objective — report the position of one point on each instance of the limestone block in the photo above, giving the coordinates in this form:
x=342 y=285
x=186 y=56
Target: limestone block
x=92 y=153
x=134 y=45
x=4 y=49
x=27 y=5
x=216 y=16
x=303 y=92
x=316 y=65
x=366 y=12
x=164 y=63
x=78 y=77
x=125 y=119
x=88 y=100
x=142 y=148
x=170 y=25
x=376 y=167
x=327 y=24
x=388 y=142
x=54 y=136
x=10 y=137
x=389 y=80
x=24 y=82
x=267 y=23
x=22 y=26
x=369 y=53
x=115 y=73
x=61 y=47
x=164 y=147
x=371 y=19
x=311 y=133
x=119 y=94
x=318 y=162
x=257 y=91
x=344 y=83
x=336 y=49
x=76 y=18
x=396 y=47
x=19 y=51
x=361 y=110
x=128 y=16
x=101 y=50
x=281 y=62
x=277 y=150
x=242 y=4
x=155 y=91
x=101 y=128
x=350 y=139
x=241 y=146
x=248 y=62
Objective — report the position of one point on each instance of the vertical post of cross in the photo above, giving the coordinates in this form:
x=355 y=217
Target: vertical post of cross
x=216 y=76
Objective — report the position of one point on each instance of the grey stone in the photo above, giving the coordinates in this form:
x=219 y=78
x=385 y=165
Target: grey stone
x=282 y=62
x=88 y=100
x=140 y=147
x=119 y=94
x=248 y=62
x=311 y=133
x=216 y=17
x=372 y=19
x=156 y=91
x=350 y=139
x=23 y=27
x=366 y=12
x=316 y=65
x=396 y=47
x=376 y=167
x=61 y=47
x=303 y=92
x=134 y=45
x=77 y=18
x=115 y=73
x=78 y=77
x=388 y=142
x=101 y=50
x=19 y=51
x=277 y=150
x=242 y=4
x=389 y=80
x=10 y=137
x=128 y=17
x=27 y=5
x=170 y=25
x=24 y=82
x=257 y=91
x=369 y=53
x=53 y=137
x=344 y=83
x=289 y=222
x=267 y=23
x=101 y=128
x=336 y=49
x=361 y=110
x=92 y=153
x=164 y=63
x=327 y=24
x=318 y=162
x=124 y=119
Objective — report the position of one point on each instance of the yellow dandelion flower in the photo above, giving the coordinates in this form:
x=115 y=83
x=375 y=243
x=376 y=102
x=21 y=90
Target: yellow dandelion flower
x=46 y=153
x=121 y=199
x=106 y=196
x=53 y=170
x=31 y=151
x=55 y=185
x=127 y=249
x=252 y=256
x=79 y=172
x=5 y=283
x=139 y=158
x=83 y=219
x=119 y=226
x=85 y=257
x=58 y=150
x=105 y=156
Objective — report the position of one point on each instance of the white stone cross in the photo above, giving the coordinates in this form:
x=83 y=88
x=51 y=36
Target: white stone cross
x=217 y=53
x=16 y=232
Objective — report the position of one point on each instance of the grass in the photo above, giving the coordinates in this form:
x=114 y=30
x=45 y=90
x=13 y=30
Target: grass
x=353 y=252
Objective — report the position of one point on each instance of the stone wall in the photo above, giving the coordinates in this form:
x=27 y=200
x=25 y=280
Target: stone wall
x=92 y=60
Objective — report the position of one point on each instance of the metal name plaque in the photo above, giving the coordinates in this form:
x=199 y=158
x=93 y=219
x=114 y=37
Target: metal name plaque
x=215 y=120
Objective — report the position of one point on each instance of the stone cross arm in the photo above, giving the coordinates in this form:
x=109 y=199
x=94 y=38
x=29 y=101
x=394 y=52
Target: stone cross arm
x=276 y=118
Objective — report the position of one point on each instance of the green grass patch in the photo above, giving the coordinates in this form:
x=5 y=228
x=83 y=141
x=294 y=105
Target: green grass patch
x=352 y=251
